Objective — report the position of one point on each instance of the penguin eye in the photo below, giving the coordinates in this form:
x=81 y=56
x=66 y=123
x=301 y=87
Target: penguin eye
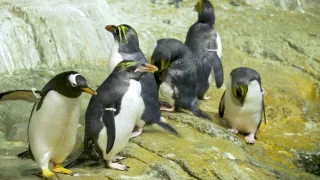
x=73 y=84
x=116 y=30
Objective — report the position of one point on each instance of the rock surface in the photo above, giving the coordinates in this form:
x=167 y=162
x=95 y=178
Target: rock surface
x=281 y=45
x=298 y=5
x=46 y=33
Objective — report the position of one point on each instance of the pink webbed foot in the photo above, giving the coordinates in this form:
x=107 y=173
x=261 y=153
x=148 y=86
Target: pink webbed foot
x=234 y=130
x=137 y=131
x=164 y=108
x=250 y=138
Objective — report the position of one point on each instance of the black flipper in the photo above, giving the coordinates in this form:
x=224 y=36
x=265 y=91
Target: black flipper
x=89 y=154
x=216 y=65
x=25 y=95
x=108 y=120
x=167 y=127
x=264 y=114
x=221 y=105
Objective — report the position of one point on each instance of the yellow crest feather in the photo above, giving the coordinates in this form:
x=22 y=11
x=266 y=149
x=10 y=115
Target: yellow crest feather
x=164 y=65
x=152 y=61
x=243 y=89
x=124 y=65
x=123 y=30
x=199 y=6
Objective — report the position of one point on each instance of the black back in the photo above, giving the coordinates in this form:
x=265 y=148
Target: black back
x=180 y=70
x=201 y=37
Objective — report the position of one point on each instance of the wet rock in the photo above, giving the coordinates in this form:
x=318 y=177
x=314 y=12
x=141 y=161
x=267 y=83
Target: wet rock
x=18 y=132
x=309 y=161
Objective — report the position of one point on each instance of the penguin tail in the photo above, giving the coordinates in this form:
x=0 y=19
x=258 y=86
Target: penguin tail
x=79 y=161
x=87 y=156
x=24 y=155
x=167 y=127
x=198 y=112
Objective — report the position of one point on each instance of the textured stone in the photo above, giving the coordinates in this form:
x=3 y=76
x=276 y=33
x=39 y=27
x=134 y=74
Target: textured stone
x=18 y=132
x=48 y=33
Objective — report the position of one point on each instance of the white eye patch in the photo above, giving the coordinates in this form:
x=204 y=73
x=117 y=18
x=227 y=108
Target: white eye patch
x=72 y=79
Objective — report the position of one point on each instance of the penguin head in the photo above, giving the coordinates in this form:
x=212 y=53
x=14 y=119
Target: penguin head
x=205 y=12
x=133 y=69
x=241 y=77
x=166 y=52
x=70 y=84
x=77 y=82
x=125 y=35
x=239 y=91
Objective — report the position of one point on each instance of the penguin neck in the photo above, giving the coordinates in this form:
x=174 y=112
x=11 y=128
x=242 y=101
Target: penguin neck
x=206 y=16
x=130 y=46
x=69 y=93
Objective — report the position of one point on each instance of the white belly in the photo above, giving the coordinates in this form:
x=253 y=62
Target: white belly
x=115 y=57
x=132 y=107
x=211 y=79
x=219 y=44
x=53 y=128
x=247 y=117
x=166 y=92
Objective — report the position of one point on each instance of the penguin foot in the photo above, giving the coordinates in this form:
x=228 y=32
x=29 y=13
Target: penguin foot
x=206 y=97
x=136 y=132
x=234 y=130
x=250 y=138
x=117 y=158
x=164 y=108
x=47 y=174
x=117 y=166
x=59 y=169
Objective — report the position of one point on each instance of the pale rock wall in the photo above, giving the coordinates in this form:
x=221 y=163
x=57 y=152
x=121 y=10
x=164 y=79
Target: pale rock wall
x=46 y=33
x=286 y=4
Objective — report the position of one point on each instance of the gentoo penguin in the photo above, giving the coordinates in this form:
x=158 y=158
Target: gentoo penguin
x=126 y=46
x=112 y=114
x=54 y=120
x=243 y=103
x=177 y=76
x=205 y=44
